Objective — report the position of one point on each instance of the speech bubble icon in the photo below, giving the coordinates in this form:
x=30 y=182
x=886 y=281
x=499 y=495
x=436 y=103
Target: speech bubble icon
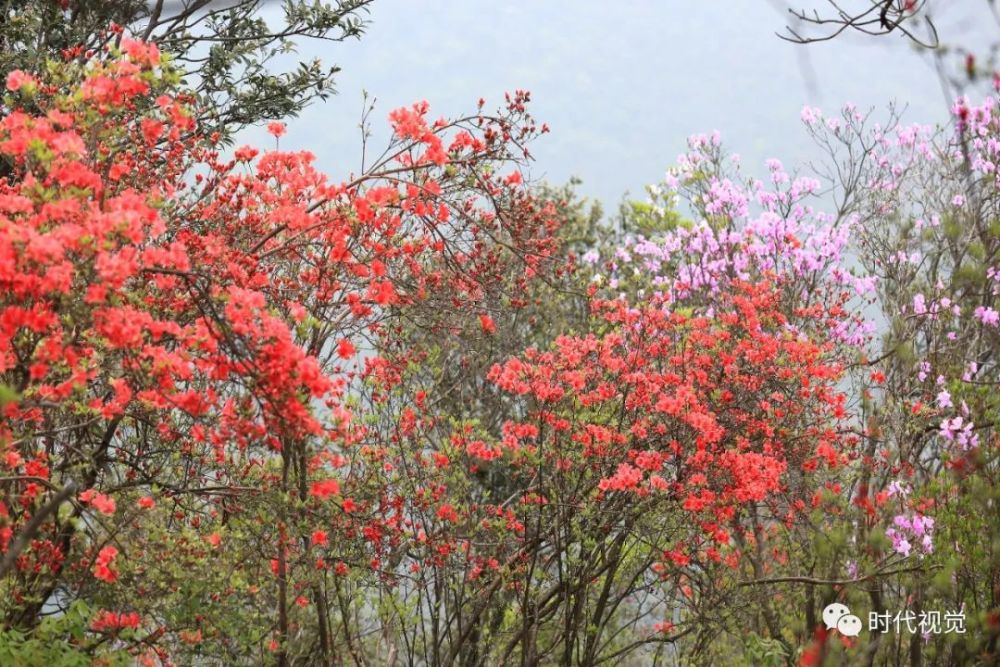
x=833 y=612
x=849 y=625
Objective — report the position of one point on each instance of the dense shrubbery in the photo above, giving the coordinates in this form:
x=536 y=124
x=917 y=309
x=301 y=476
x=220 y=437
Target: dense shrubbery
x=436 y=415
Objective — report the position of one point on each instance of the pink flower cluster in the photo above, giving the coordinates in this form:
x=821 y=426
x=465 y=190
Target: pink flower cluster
x=959 y=430
x=744 y=230
x=909 y=530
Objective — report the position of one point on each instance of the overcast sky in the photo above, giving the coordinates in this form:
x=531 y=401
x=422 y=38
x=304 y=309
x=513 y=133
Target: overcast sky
x=621 y=83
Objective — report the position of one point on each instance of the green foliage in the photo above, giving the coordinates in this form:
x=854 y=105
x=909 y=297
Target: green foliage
x=58 y=641
x=236 y=61
x=651 y=217
x=763 y=652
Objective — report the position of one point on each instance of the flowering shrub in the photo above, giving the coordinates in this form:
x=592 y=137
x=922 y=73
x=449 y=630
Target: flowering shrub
x=436 y=414
x=168 y=338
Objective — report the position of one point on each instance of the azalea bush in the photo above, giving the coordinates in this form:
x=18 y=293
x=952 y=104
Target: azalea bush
x=431 y=413
x=184 y=338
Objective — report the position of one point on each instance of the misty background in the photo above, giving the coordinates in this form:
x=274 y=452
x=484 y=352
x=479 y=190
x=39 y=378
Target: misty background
x=621 y=84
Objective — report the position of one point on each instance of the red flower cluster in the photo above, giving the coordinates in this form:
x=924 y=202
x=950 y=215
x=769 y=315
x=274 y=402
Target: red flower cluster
x=707 y=412
x=99 y=501
x=104 y=565
x=109 y=621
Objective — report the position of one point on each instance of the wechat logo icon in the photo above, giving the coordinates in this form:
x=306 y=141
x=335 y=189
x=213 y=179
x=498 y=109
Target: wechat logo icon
x=838 y=617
